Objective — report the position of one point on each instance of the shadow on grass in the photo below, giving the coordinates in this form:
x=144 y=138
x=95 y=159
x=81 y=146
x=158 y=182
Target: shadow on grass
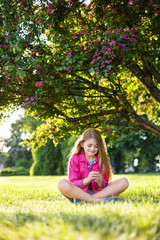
x=112 y=226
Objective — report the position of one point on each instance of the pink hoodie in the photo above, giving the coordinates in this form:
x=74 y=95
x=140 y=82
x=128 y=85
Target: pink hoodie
x=79 y=169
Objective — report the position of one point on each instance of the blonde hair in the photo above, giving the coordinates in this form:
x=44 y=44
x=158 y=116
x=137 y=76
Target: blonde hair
x=105 y=166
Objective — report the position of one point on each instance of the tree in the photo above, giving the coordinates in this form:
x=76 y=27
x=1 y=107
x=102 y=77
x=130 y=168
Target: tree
x=66 y=147
x=18 y=155
x=47 y=160
x=139 y=145
x=78 y=65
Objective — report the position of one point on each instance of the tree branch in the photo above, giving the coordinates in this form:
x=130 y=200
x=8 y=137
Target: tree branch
x=145 y=76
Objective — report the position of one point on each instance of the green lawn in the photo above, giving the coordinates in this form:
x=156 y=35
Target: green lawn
x=31 y=208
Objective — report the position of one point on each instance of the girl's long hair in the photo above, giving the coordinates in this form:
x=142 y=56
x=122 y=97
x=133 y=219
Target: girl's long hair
x=104 y=162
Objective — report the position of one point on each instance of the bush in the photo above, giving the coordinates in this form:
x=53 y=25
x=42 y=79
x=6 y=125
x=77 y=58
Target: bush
x=19 y=171
x=24 y=163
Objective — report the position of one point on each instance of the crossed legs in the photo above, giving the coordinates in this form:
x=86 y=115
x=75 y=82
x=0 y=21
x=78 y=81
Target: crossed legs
x=114 y=189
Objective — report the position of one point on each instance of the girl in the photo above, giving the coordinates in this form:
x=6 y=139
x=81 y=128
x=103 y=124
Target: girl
x=90 y=171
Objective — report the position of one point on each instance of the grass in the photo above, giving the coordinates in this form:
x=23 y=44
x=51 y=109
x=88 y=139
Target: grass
x=31 y=208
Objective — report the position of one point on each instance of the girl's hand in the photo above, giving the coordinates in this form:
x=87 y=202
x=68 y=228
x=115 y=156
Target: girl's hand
x=93 y=175
x=98 y=179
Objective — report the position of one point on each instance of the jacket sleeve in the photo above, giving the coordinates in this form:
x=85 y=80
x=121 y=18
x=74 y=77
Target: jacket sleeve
x=74 y=172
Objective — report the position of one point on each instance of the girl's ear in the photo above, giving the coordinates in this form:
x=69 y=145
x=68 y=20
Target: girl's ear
x=82 y=144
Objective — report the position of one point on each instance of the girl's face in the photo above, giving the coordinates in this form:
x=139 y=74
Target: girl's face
x=90 y=147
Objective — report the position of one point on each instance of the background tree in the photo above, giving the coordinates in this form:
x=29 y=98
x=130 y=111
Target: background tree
x=78 y=66
x=66 y=147
x=18 y=155
x=47 y=160
x=139 y=145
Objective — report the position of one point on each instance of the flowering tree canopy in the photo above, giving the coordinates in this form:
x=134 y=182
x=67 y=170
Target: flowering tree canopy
x=78 y=65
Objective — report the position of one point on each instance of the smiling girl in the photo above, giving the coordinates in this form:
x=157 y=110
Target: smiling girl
x=90 y=172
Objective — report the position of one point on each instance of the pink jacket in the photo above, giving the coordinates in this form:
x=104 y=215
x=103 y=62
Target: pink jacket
x=79 y=169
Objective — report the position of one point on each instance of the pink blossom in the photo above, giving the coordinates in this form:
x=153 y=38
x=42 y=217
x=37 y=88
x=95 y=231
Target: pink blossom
x=95 y=55
x=69 y=54
x=39 y=84
x=108 y=61
x=125 y=36
x=96 y=40
x=117 y=30
x=109 y=51
x=74 y=35
x=103 y=48
x=50 y=7
x=68 y=68
x=97 y=73
x=99 y=57
x=133 y=40
x=107 y=70
x=26 y=99
x=38 y=67
x=32 y=99
x=133 y=28
x=110 y=130
x=122 y=45
x=112 y=43
x=102 y=64
x=93 y=62
x=25 y=103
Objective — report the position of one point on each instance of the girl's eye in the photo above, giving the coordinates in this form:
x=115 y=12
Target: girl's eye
x=91 y=146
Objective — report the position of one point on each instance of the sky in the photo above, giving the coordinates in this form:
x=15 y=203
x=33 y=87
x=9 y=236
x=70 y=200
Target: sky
x=5 y=125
